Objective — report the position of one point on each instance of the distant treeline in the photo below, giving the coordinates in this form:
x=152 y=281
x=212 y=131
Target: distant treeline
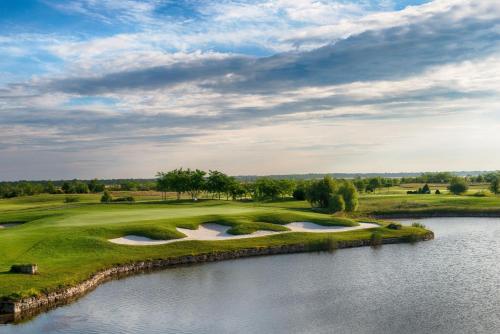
x=28 y=188
x=312 y=176
x=220 y=184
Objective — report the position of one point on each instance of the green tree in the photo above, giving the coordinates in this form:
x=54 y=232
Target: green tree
x=95 y=186
x=350 y=196
x=81 y=188
x=266 y=188
x=235 y=189
x=495 y=185
x=68 y=188
x=177 y=180
x=106 y=197
x=360 y=184
x=336 y=203
x=217 y=183
x=426 y=189
x=458 y=186
x=373 y=184
x=50 y=188
x=195 y=182
x=321 y=191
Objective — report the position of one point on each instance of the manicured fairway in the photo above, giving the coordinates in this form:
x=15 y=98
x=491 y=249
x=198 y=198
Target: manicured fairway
x=69 y=242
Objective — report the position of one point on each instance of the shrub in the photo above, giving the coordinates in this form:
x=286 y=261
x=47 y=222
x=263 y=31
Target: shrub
x=480 y=194
x=458 y=186
x=438 y=192
x=336 y=204
x=426 y=189
x=419 y=225
x=376 y=238
x=106 y=197
x=394 y=226
x=69 y=199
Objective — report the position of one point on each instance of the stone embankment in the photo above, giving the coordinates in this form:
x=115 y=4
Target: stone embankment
x=31 y=306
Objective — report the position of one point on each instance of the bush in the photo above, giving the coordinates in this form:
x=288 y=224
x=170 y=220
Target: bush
x=480 y=194
x=376 y=238
x=458 y=186
x=336 y=204
x=106 y=197
x=419 y=225
x=394 y=226
x=69 y=199
x=438 y=192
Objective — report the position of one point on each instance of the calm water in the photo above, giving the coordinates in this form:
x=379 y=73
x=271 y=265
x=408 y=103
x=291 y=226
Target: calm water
x=449 y=285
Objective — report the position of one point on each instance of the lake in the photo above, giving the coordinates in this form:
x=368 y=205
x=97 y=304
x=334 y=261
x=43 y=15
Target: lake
x=448 y=285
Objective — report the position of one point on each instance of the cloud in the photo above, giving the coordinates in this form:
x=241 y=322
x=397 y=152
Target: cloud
x=336 y=94
x=386 y=54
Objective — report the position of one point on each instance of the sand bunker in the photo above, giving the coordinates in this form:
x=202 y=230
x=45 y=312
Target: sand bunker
x=219 y=232
x=9 y=225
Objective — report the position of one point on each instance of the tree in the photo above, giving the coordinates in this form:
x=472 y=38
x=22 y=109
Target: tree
x=50 y=188
x=350 y=196
x=336 y=204
x=195 y=182
x=321 y=191
x=81 y=188
x=458 y=186
x=426 y=189
x=176 y=180
x=106 y=197
x=235 y=189
x=67 y=188
x=300 y=192
x=360 y=184
x=266 y=188
x=95 y=187
x=217 y=183
x=495 y=185
x=285 y=187
x=373 y=184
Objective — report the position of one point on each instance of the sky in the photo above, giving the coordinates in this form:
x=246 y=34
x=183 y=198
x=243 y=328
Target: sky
x=126 y=88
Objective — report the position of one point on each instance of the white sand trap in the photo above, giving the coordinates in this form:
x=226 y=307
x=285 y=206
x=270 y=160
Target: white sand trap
x=8 y=225
x=219 y=232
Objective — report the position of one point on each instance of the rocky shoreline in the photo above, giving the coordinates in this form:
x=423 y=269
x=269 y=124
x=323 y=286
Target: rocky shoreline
x=14 y=311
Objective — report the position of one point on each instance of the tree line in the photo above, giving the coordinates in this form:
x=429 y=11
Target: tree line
x=327 y=193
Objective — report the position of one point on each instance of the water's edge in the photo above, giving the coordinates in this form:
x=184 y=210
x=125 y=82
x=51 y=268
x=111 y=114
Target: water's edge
x=16 y=311
x=436 y=214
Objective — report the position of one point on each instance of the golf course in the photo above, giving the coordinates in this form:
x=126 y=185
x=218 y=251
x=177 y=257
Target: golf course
x=70 y=241
x=73 y=238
